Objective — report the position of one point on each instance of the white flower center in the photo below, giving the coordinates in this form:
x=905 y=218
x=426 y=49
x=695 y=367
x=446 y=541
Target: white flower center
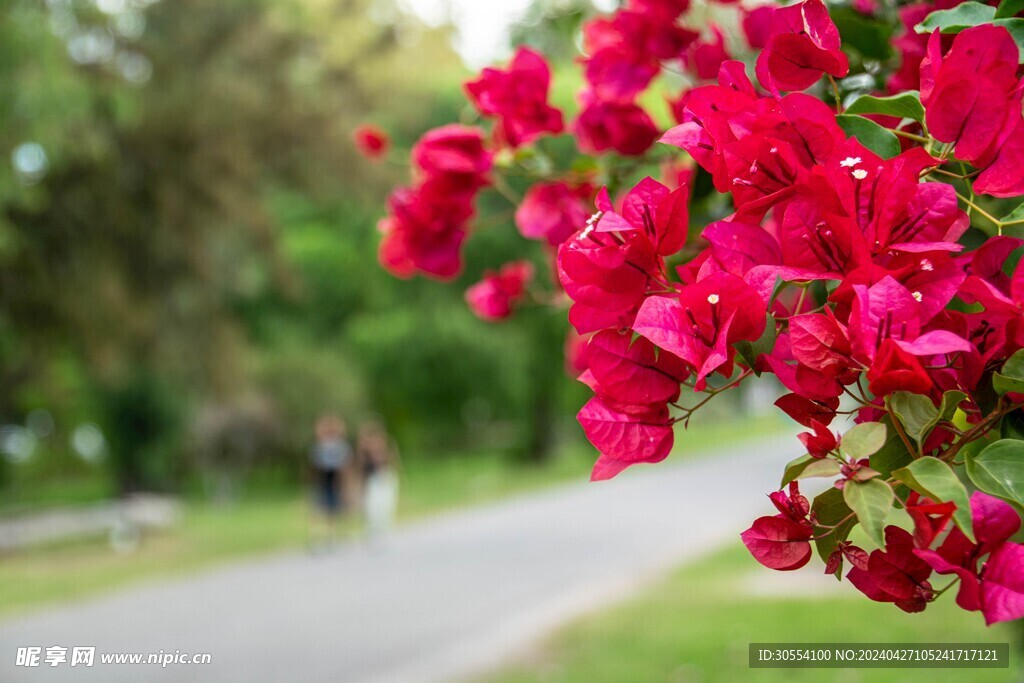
x=917 y=296
x=713 y=299
x=926 y=265
x=860 y=173
x=850 y=162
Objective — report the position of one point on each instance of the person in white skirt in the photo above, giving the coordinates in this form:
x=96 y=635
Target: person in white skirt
x=379 y=459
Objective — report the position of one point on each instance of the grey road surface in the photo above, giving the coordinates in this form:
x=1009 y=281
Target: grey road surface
x=447 y=598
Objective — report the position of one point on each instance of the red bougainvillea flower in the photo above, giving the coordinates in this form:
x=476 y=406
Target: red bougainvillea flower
x=625 y=435
x=607 y=268
x=624 y=50
x=757 y=25
x=781 y=542
x=618 y=73
x=845 y=549
x=997 y=588
x=895 y=574
x=371 y=141
x=1004 y=177
x=518 y=96
x=705 y=58
x=792 y=505
x=912 y=47
x=888 y=310
x=800 y=378
x=758 y=148
x=891 y=207
x=972 y=95
x=606 y=276
x=575 y=353
x=495 y=295
x=424 y=231
x=998 y=330
x=854 y=470
x=804 y=45
x=820 y=442
x=620 y=126
x=453 y=150
x=930 y=518
x=703 y=321
x=740 y=247
x=553 y=211
x=427 y=223
x=651 y=209
x=896 y=370
x=820 y=342
x=627 y=371
x=866 y=7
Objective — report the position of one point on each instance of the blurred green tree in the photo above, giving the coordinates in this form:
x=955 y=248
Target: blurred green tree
x=184 y=222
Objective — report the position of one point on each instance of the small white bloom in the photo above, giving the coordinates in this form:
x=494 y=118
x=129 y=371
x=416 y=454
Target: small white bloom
x=713 y=299
x=595 y=218
x=860 y=173
x=917 y=296
x=926 y=265
x=586 y=231
x=850 y=162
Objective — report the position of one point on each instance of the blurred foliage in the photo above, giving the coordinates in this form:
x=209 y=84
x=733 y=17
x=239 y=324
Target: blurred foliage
x=187 y=243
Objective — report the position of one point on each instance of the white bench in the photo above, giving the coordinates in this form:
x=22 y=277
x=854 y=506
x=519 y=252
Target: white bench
x=122 y=521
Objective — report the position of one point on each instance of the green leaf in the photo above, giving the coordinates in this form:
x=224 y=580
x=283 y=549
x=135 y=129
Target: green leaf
x=1013 y=425
x=807 y=466
x=794 y=467
x=915 y=411
x=830 y=508
x=968 y=14
x=879 y=140
x=750 y=351
x=1008 y=8
x=1011 y=377
x=871 y=500
x=999 y=470
x=954 y=20
x=893 y=455
x=951 y=400
x=864 y=440
x=906 y=105
x=1016 y=29
x=871 y=38
x=933 y=478
x=1015 y=215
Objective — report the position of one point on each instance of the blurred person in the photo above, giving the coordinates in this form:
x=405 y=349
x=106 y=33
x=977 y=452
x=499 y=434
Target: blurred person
x=330 y=458
x=378 y=457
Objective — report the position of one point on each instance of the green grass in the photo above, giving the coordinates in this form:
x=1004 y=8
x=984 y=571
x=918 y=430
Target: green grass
x=280 y=520
x=430 y=485
x=696 y=626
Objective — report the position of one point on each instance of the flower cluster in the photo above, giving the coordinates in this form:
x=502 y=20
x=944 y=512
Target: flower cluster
x=427 y=222
x=851 y=247
x=494 y=297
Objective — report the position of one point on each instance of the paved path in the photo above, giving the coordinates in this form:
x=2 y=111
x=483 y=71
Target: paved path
x=449 y=596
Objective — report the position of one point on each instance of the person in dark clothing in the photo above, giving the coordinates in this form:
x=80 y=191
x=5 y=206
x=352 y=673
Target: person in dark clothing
x=330 y=458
